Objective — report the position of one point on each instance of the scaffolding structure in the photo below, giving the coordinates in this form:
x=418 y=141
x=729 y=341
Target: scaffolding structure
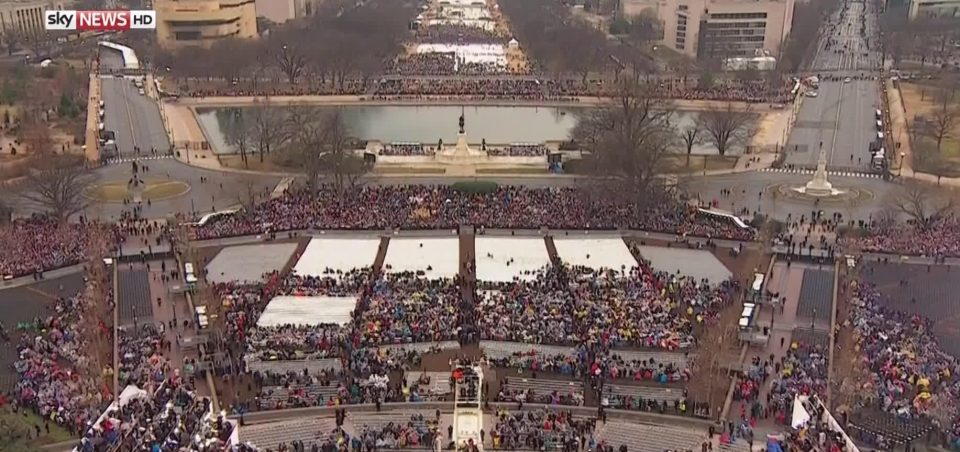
x=468 y=407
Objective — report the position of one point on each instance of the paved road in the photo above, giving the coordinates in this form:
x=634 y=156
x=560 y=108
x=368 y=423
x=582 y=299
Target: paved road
x=841 y=118
x=134 y=117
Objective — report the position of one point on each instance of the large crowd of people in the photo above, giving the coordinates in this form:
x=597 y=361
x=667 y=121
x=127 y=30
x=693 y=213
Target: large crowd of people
x=41 y=243
x=60 y=376
x=910 y=375
x=444 y=207
x=568 y=305
x=406 y=308
x=940 y=239
x=542 y=430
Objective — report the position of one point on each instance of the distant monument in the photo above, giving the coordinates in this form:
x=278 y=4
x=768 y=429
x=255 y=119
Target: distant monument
x=819 y=186
x=461 y=152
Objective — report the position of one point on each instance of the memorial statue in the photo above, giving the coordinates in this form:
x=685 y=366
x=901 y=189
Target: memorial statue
x=462 y=121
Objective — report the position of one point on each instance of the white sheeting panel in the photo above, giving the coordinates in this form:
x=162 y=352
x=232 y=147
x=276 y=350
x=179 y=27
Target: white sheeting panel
x=415 y=254
x=338 y=254
x=493 y=253
x=287 y=310
x=608 y=252
x=470 y=53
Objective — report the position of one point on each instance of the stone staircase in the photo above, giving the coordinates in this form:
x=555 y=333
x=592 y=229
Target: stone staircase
x=649 y=438
x=544 y=386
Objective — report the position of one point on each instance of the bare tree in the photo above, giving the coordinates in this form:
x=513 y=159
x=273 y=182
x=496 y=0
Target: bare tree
x=290 y=59
x=727 y=127
x=629 y=141
x=249 y=194
x=943 y=120
x=923 y=205
x=239 y=133
x=321 y=139
x=57 y=184
x=268 y=127
x=691 y=136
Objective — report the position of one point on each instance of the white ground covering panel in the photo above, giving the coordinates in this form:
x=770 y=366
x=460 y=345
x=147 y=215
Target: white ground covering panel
x=470 y=53
x=415 y=253
x=338 y=254
x=248 y=263
x=528 y=254
x=697 y=263
x=307 y=311
x=607 y=252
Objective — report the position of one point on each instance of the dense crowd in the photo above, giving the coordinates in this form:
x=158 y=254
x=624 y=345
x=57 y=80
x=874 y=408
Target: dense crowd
x=457 y=33
x=424 y=76
x=519 y=150
x=406 y=149
x=141 y=353
x=40 y=243
x=57 y=370
x=910 y=376
x=940 y=239
x=406 y=308
x=542 y=430
x=569 y=305
x=443 y=207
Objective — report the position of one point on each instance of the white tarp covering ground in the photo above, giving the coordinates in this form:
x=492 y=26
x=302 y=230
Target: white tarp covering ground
x=288 y=310
x=606 y=252
x=442 y=255
x=524 y=254
x=342 y=254
x=699 y=264
x=493 y=54
x=248 y=263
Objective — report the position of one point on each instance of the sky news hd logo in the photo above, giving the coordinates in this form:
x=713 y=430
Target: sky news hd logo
x=112 y=20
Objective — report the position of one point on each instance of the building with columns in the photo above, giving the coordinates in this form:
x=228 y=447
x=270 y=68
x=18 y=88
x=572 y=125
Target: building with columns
x=202 y=22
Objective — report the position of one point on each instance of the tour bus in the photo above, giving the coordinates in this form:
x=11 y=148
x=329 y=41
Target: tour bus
x=878 y=159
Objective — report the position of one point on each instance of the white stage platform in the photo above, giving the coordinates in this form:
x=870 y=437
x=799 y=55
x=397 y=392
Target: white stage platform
x=528 y=254
x=606 y=252
x=416 y=254
x=288 y=310
x=342 y=254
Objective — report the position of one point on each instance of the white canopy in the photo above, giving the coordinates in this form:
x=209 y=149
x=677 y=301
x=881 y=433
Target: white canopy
x=470 y=53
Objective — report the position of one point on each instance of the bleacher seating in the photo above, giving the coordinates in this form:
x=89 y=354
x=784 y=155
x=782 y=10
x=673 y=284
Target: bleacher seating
x=377 y=421
x=424 y=347
x=813 y=337
x=439 y=381
x=270 y=435
x=740 y=445
x=816 y=294
x=543 y=386
x=658 y=393
x=678 y=359
x=274 y=394
x=895 y=430
x=502 y=349
x=649 y=438
x=315 y=366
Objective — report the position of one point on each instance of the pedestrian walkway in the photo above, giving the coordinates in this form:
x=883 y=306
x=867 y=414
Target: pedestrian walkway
x=117 y=161
x=810 y=172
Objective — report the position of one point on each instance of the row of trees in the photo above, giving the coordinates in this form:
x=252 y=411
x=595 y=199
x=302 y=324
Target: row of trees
x=630 y=142
x=315 y=139
x=562 y=43
x=924 y=41
x=341 y=41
